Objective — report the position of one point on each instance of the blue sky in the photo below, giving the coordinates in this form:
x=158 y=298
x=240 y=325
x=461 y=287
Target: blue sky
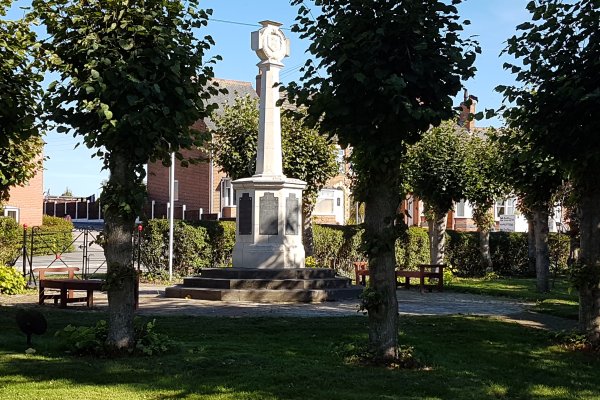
x=493 y=21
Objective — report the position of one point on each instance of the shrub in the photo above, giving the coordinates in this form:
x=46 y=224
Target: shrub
x=413 y=248
x=337 y=246
x=90 y=340
x=462 y=254
x=54 y=236
x=191 y=248
x=222 y=239
x=11 y=281
x=509 y=253
x=11 y=240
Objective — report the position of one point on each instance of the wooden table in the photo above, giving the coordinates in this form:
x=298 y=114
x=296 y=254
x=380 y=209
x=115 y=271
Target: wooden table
x=66 y=287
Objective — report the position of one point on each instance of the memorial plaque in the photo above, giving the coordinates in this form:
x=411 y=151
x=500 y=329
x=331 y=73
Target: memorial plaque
x=292 y=209
x=245 y=214
x=268 y=217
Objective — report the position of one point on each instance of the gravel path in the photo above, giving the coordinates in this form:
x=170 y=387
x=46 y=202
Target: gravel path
x=410 y=302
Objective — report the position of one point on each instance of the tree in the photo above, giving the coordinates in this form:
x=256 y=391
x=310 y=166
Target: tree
x=437 y=168
x=384 y=72
x=67 y=192
x=485 y=183
x=535 y=178
x=307 y=154
x=131 y=83
x=556 y=105
x=20 y=92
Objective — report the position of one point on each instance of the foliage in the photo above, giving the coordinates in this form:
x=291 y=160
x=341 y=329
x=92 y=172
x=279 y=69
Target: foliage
x=508 y=251
x=485 y=181
x=559 y=59
x=11 y=281
x=413 y=248
x=11 y=240
x=307 y=155
x=131 y=83
x=91 y=340
x=437 y=166
x=338 y=247
x=222 y=239
x=309 y=262
x=20 y=92
x=191 y=248
x=55 y=236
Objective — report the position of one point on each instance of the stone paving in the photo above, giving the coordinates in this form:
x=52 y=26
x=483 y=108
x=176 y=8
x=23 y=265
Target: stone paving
x=410 y=302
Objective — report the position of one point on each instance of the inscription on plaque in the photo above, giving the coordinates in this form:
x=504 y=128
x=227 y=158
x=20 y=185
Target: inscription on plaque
x=292 y=208
x=268 y=219
x=245 y=214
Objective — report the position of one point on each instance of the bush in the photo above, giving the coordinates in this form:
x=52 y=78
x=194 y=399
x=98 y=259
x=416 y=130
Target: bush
x=54 y=236
x=191 y=248
x=11 y=281
x=462 y=254
x=509 y=253
x=222 y=239
x=90 y=340
x=11 y=240
x=337 y=246
x=413 y=248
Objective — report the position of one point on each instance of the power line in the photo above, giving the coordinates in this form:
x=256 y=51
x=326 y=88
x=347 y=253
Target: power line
x=224 y=21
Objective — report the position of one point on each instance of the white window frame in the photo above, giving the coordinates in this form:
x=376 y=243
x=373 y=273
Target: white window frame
x=228 y=194
x=10 y=209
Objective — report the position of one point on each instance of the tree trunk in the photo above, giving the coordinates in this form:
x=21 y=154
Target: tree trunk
x=380 y=214
x=437 y=238
x=118 y=252
x=307 y=229
x=531 y=268
x=589 y=256
x=542 y=252
x=484 y=249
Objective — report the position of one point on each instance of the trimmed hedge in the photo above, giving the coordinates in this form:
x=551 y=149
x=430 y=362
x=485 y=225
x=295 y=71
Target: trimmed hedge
x=191 y=248
x=222 y=238
x=11 y=240
x=337 y=246
x=54 y=236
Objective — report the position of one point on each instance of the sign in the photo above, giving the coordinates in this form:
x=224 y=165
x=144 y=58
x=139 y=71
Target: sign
x=507 y=223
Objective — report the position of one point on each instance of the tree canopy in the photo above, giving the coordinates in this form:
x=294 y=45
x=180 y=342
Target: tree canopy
x=20 y=93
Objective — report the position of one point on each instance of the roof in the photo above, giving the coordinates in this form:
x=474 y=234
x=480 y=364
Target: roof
x=235 y=89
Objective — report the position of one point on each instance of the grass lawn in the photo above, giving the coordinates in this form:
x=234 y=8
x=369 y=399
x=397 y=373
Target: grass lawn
x=557 y=302
x=300 y=358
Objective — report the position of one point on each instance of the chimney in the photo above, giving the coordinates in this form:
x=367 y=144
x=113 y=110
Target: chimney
x=468 y=107
x=258 y=81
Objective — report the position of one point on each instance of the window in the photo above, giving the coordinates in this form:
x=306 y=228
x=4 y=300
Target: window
x=505 y=207
x=11 y=212
x=460 y=209
x=176 y=190
x=228 y=195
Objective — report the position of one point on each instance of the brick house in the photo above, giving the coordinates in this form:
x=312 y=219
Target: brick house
x=203 y=189
x=25 y=204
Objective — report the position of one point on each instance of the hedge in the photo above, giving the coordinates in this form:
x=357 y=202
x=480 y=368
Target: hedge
x=222 y=238
x=338 y=246
x=11 y=240
x=191 y=248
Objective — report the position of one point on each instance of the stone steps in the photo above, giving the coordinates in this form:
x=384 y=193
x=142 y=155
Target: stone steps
x=266 y=285
x=263 y=295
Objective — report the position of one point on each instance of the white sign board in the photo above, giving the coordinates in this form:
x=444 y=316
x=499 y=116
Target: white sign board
x=507 y=223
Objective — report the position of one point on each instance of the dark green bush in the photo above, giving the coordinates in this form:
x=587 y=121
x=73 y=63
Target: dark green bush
x=54 y=236
x=222 y=238
x=337 y=246
x=191 y=248
x=413 y=248
x=11 y=281
x=508 y=251
x=11 y=240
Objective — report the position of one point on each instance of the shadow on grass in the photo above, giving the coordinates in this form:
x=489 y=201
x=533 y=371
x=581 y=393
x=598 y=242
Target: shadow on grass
x=296 y=358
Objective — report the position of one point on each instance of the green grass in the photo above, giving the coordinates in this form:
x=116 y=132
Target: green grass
x=300 y=358
x=559 y=301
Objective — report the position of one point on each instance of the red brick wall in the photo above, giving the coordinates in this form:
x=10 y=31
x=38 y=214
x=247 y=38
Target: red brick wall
x=29 y=199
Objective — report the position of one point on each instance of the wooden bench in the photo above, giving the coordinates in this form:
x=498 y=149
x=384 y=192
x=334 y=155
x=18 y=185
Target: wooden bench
x=430 y=271
x=66 y=287
x=361 y=271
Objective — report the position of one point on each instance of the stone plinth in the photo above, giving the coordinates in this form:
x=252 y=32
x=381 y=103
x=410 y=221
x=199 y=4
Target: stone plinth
x=269 y=223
